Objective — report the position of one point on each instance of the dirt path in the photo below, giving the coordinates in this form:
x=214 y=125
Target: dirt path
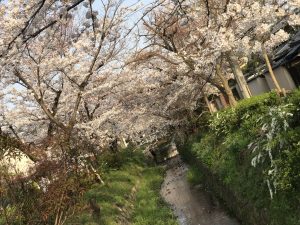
x=192 y=206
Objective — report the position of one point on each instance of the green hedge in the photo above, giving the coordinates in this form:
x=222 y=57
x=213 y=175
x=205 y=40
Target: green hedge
x=254 y=150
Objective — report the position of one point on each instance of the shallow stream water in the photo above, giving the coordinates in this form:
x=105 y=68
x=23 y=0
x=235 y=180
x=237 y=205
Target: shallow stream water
x=192 y=205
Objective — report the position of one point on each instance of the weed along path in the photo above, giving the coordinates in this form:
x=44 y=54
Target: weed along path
x=191 y=205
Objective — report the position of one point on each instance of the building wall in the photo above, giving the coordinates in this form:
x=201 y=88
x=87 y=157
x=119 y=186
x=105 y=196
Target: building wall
x=283 y=77
x=294 y=70
x=258 y=86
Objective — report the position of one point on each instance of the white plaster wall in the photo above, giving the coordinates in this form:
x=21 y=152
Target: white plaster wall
x=258 y=86
x=283 y=77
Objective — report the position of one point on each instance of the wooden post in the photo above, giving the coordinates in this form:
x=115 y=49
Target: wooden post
x=283 y=92
x=271 y=70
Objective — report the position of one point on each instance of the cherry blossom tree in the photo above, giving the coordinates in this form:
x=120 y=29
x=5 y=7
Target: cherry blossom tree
x=73 y=82
x=50 y=65
x=254 y=26
x=199 y=38
x=62 y=78
x=61 y=59
x=183 y=41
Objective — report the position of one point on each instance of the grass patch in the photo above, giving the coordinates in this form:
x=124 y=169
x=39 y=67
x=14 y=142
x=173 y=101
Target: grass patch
x=131 y=195
x=149 y=207
x=194 y=176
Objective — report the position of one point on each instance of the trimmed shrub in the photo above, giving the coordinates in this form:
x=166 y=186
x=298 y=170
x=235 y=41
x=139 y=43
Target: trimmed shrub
x=252 y=153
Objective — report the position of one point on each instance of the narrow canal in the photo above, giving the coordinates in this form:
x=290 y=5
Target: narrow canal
x=192 y=205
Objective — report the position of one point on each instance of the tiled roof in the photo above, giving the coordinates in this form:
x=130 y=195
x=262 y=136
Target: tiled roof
x=288 y=52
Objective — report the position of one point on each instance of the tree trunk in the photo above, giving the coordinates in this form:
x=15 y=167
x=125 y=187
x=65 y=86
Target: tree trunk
x=271 y=70
x=239 y=76
x=208 y=104
x=228 y=90
x=223 y=100
x=97 y=175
